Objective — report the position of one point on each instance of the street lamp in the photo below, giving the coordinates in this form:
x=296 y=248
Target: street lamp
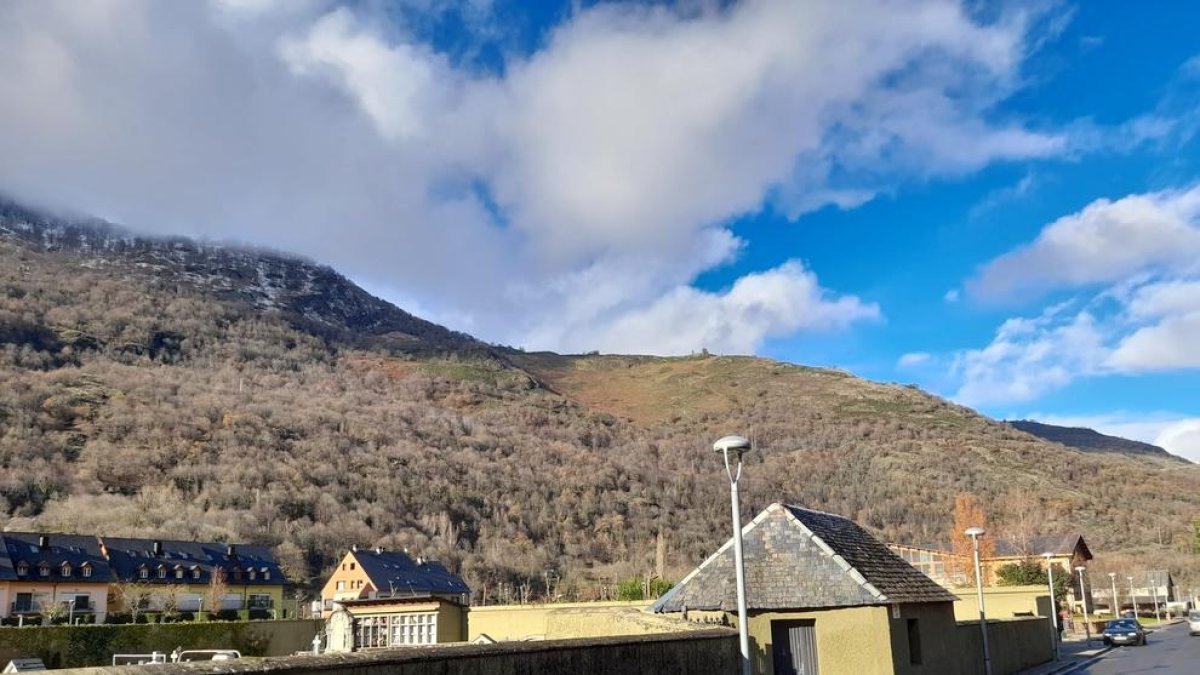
x=1112 y=576
x=738 y=446
x=975 y=533
x=1132 y=597
x=1053 y=605
x=1087 y=630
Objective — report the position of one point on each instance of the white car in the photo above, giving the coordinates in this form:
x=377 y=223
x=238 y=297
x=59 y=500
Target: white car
x=1194 y=622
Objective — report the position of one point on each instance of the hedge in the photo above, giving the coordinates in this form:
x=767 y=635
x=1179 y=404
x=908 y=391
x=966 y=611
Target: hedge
x=79 y=646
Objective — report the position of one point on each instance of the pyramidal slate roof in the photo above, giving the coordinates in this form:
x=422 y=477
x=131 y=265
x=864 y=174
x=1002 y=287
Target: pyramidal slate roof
x=395 y=574
x=797 y=558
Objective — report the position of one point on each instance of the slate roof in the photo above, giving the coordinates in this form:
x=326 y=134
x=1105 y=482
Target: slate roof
x=395 y=574
x=798 y=558
x=76 y=549
x=1061 y=544
x=128 y=556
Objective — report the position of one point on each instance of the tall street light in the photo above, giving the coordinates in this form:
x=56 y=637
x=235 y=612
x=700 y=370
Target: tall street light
x=738 y=446
x=1053 y=604
x=975 y=533
x=1087 y=629
x=1112 y=576
x=1132 y=597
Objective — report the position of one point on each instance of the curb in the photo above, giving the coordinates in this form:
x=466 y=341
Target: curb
x=1072 y=667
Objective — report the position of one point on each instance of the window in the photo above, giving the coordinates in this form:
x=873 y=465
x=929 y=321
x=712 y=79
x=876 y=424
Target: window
x=86 y=570
x=341 y=585
x=396 y=630
x=260 y=601
x=83 y=603
x=44 y=570
x=914 y=642
x=178 y=572
x=65 y=569
x=195 y=572
x=351 y=565
x=143 y=573
x=266 y=574
x=252 y=574
x=24 y=602
x=22 y=568
x=162 y=573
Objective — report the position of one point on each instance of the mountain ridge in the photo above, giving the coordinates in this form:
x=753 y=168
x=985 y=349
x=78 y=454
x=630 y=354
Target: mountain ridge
x=140 y=402
x=1085 y=438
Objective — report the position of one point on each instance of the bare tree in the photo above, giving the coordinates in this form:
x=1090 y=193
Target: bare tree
x=217 y=589
x=134 y=596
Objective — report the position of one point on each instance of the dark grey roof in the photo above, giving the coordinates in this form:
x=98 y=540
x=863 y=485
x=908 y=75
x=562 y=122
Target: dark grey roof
x=394 y=573
x=78 y=550
x=1059 y=544
x=251 y=565
x=798 y=558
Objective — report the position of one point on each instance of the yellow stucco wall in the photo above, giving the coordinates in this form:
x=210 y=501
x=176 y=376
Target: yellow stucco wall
x=57 y=592
x=1002 y=602
x=850 y=641
x=524 y=622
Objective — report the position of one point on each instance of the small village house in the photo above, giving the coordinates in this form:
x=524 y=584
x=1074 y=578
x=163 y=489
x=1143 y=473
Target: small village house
x=382 y=598
x=44 y=574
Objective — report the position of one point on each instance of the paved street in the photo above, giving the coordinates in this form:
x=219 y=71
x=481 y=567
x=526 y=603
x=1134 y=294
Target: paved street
x=1170 y=651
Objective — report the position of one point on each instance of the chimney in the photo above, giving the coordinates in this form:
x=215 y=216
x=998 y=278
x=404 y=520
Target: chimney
x=354 y=548
x=43 y=542
x=378 y=550
x=158 y=548
x=230 y=551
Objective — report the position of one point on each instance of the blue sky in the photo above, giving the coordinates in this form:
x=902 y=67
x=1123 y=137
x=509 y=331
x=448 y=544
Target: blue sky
x=996 y=201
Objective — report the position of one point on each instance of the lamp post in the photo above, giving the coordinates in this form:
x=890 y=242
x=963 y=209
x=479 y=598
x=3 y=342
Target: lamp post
x=738 y=446
x=1087 y=630
x=1053 y=605
x=1132 y=597
x=1153 y=579
x=975 y=533
x=1112 y=576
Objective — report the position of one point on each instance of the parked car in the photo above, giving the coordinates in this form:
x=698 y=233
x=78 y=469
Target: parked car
x=1194 y=622
x=1124 y=632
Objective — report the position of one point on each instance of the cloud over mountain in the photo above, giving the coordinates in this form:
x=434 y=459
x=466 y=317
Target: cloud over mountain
x=586 y=182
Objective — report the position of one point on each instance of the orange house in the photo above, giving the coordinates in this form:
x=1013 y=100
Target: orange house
x=373 y=573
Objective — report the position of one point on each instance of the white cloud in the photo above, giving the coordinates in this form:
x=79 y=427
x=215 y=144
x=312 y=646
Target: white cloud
x=913 y=359
x=1105 y=242
x=585 y=182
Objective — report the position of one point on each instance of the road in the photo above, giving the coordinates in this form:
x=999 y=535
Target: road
x=1170 y=651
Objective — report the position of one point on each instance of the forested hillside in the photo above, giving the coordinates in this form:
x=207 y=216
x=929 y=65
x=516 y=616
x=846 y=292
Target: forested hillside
x=169 y=388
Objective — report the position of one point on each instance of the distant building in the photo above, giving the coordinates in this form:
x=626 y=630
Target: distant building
x=74 y=576
x=945 y=567
x=252 y=576
x=381 y=598
x=823 y=596
x=61 y=574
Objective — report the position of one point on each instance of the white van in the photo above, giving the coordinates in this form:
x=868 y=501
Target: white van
x=1194 y=622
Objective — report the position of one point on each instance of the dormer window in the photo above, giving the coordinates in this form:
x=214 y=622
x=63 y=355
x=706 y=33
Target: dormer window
x=44 y=570
x=266 y=574
x=253 y=575
x=143 y=572
x=162 y=572
x=86 y=569
x=65 y=569
x=195 y=572
x=22 y=568
x=178 y=572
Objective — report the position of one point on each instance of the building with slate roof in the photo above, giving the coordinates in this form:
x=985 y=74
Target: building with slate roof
x=251 y=574
x=385 y=598
x=43 y=573
x=824 y=596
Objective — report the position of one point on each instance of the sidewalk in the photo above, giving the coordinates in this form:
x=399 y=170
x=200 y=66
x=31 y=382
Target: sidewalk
x=1074 y=652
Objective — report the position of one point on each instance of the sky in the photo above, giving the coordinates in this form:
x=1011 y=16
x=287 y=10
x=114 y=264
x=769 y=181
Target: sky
x=997 y=201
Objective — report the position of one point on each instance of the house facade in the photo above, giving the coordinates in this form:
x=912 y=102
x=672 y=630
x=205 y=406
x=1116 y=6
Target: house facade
x=53 y=574
x=823 y=596
x=946 y=567
x=181 y=573
x=381 y=598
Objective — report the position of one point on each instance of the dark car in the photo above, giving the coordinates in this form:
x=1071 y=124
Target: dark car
x=1124 y=632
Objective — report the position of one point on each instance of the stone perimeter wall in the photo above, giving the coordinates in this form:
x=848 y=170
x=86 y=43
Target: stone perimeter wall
x=706 y=652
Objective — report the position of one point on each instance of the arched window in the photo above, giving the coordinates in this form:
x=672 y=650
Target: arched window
x=65 y=569
x=162 y=572
x=143 y=572
x=195 y=572
x=86 y=569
